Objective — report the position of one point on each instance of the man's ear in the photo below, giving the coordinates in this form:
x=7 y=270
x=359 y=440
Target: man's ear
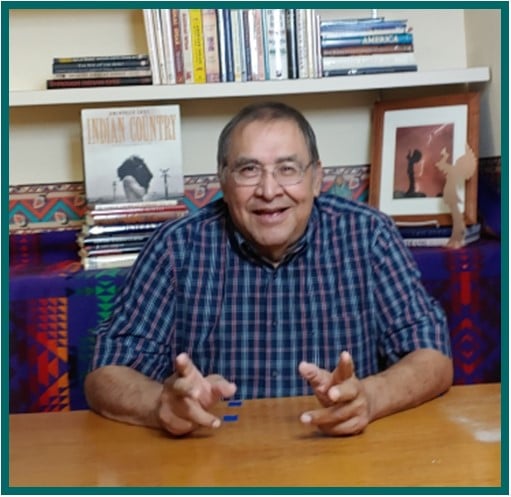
x=317 y=178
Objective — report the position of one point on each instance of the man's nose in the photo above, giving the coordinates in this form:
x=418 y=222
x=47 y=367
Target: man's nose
x=268 y=186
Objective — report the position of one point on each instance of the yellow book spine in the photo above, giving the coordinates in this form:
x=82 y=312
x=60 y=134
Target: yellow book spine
x=197 y=37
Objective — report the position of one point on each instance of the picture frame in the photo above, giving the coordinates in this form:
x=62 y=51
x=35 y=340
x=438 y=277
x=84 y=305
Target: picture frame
x=409 y=137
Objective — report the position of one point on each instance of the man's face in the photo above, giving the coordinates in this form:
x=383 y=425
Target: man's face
x=270 y=216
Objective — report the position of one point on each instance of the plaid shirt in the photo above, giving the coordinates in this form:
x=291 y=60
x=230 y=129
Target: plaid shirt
x=197 y=286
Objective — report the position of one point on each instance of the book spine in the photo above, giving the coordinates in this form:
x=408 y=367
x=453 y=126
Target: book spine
x=276 y=44
x=177 y=46
x=103 y=74
x=91 y=82
x=137 y=210
x=369 y=70
x=119 y=228
x=211 y=45
x=100 y=58
x=161 y=32
x=437 y=241
x=112 y=239
x=391 y=39
x=432 y=232
x=197 y=36
x=151 y=45
x=309 y=36
x=109 y=261
x=246 y=44
x=256 y=45
x=110 y=250
x=140 y=217
x=167 y=48
x=333 y=35
x=237 y=44
x=229 y=55
x=100 y=66
x=301 y=44
x=222 y=52
x=372 y=60
x=186 y=43
x=366 y=50
x=292 y=55
x=149 y=204
x=361 y=24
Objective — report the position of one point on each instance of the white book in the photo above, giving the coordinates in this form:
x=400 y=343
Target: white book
x=132 y=154
x=301 y=44
x=108 y=261
x=152 y=51
x=238 y=50
x=331 y=63
x=439 y=241
x=275 y=45
x=169 y=66
x=186 y=43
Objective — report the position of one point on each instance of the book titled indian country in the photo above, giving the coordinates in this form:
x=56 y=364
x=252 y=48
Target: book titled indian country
x=132 y=154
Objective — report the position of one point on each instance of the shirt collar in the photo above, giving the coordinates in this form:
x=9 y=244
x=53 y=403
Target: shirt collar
x=247 y=250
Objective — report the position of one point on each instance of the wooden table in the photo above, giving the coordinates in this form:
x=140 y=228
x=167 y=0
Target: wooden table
x=451 y=441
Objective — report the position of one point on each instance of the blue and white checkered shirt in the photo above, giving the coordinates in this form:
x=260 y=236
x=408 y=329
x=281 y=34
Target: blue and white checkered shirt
x=197 y=287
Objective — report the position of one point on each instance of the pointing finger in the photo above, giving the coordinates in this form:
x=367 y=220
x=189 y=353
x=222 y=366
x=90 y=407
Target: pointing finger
x=344 y=369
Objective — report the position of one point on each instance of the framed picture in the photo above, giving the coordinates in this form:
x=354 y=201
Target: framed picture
x=410 y=139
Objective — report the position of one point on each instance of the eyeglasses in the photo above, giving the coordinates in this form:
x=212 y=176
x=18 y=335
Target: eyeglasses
x=286 y=173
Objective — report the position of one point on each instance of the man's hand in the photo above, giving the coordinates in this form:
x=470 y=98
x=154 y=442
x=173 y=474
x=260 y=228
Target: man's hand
x=346 y=406
x=187 y=397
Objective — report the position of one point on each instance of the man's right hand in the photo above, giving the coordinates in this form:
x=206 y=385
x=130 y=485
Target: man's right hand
x=187 y=398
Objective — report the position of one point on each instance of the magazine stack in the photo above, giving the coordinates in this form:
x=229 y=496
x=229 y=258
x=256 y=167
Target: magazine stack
x=133 y=180
x=369 y=45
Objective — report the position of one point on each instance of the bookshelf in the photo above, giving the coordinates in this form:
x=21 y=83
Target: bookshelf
x=44 y=133
x=249 y=89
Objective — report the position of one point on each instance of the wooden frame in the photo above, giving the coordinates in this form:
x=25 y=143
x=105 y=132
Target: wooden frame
x=408 y=136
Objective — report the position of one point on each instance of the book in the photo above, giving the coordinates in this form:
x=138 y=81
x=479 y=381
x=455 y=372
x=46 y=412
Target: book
x=109 y=229
x=275 y=44
x=439 y=241
x=109 y=261
x=186 y=44
x=97 y=240
x=197 y=37
x=133 y=206
x=389 y=39
x=211 y=45
x=333 y=29
x=238 y=45
x=226 y=45
x=361 y=24
x=99 y=58
x=292 y=54
x=128 y=248
x=132 y=154
x=121 y=73
x=91 y=82
x=150 y=36
x=256 y=45
x=105 y=65
x=168 y=76
x=367 y=49
x=177 y=47
x=135 y=217
x=370 y=60
x=357 y=71
x=435 y=231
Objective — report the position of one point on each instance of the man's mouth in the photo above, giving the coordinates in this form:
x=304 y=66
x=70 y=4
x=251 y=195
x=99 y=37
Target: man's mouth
x=270 y=215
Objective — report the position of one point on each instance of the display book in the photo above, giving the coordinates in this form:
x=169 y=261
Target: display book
x=436 y=236
x=366 y=46
x=133 y=172
x=231 y=45
x=100 y=70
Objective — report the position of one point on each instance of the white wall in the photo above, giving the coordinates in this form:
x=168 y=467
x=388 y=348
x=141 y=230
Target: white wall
x=45 y=141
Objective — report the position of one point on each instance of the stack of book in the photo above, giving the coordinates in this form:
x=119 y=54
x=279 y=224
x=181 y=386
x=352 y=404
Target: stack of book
x=133 y=170
x=232 y=45
x=366 y=46
x=94 y=71
x=436 y=236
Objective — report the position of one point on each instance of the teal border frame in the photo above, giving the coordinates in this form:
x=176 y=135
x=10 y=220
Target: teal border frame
x=503 y=6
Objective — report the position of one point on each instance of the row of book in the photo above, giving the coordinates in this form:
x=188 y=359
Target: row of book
x=231 y=45
x=366 y=46
x=93 y=71
x=113 y=235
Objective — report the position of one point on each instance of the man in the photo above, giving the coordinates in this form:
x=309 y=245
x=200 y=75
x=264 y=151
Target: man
x=274 y=290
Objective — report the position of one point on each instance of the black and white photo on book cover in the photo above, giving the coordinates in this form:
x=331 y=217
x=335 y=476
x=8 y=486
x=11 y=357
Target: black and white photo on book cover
x=132 y=154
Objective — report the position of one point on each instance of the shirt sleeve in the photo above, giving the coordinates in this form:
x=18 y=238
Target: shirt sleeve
x=139 y=332
x=409 y=318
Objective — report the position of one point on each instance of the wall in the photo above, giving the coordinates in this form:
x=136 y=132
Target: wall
x=45 y=143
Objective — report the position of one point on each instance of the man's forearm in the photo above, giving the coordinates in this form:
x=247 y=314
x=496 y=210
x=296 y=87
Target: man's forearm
x=123 y=394
x=418 y=377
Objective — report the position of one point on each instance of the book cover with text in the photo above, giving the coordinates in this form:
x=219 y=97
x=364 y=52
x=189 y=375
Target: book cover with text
x=132 y=154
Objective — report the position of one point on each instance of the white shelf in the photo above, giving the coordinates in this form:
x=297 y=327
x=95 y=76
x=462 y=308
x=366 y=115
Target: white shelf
x=256 y=88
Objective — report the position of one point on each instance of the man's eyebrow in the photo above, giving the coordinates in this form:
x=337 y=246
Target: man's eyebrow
x=240 y=161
